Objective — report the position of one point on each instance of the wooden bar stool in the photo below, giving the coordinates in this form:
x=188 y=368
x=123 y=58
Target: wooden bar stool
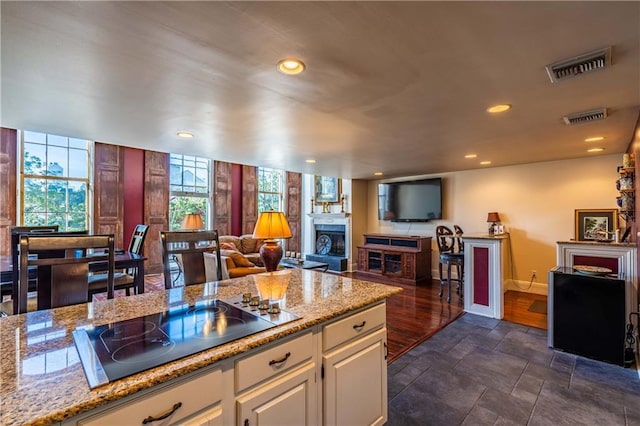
x=449 y=256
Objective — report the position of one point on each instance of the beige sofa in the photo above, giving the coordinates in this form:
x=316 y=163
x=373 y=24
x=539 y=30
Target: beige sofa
x=239 y=255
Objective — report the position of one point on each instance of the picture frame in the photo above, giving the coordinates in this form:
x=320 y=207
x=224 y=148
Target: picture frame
x=596 y=224
x=327 y=189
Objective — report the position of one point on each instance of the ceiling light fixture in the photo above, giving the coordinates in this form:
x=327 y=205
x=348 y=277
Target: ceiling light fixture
x=471 y=156
x=485 y=163
x=310 y=161
x=595 y=150
x=291 y=66
x=498 y=108
x=185 y=134
x=378 y=174
x=594 y=139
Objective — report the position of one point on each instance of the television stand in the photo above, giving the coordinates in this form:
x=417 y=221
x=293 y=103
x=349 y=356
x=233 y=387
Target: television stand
x=395 y=258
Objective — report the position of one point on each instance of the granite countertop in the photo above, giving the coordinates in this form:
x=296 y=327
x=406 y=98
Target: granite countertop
x=42 y=380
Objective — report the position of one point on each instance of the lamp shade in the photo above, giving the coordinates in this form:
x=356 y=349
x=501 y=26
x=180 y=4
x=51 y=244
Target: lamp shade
x=493 y=217
x=192 y=222
x=272 y=225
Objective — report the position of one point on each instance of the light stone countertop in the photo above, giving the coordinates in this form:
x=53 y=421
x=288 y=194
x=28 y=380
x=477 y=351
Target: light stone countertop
x=42 y=380
x=598 y=243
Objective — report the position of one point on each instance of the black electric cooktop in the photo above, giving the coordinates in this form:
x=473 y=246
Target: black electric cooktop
x=113 y=351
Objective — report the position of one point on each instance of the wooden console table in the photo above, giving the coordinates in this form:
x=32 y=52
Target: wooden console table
x=395 y=258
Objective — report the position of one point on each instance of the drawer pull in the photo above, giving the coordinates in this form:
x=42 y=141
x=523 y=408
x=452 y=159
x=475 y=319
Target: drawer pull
x=281 y=360
x=164 y=416
x=359 y=326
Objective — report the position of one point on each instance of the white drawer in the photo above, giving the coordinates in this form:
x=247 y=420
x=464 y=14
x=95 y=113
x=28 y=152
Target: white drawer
x=353 y=326
x=270 y=362
x=194 y=394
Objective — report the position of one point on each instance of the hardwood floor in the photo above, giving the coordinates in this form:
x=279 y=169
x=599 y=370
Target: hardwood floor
x=516 y=309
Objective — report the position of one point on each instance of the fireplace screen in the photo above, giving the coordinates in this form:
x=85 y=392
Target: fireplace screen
x=330 y=240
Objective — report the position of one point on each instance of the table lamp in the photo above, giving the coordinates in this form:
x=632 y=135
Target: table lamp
x=493 y=218
x=270 y=226
x=192 y=222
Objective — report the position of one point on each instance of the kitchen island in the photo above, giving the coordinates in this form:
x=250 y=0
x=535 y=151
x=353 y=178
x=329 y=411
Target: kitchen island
x=43 y=382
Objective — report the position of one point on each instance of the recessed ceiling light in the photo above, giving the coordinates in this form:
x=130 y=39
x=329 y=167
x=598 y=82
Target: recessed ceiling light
x=310 y=160
x=485 y=163
x=290 y=66
x=378 y=174
x=471 y=156
x=498 y=108
x=594 y=139
x=595 y=150
x=185 y=134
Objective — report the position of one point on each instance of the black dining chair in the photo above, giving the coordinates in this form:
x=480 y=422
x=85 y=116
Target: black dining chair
x=69 y=274
x=189 y=247
x=126 y=279
x=450 y=254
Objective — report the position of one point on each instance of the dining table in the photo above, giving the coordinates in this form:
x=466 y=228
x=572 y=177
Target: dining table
x=122 y=260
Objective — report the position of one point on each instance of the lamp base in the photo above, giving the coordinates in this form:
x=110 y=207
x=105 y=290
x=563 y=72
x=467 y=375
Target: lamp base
x=271 y=254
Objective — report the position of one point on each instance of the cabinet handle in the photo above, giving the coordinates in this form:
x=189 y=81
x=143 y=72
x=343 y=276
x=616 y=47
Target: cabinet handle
x=359 y=326
x=164 y=416
x=386 y=350
x=281 y=360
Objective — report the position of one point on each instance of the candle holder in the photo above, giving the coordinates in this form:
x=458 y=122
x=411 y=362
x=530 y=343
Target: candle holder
x=342 y=203
x=312 y=200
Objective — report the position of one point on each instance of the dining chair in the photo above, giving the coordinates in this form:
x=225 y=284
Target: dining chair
x=188 y=247
x=448 y=256
x=122 y=280
x=69 y=275
x=16 y=231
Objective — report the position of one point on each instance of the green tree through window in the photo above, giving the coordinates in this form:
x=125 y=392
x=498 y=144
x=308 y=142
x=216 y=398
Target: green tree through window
x=270 y=184
x=190 y=189
x=55 y=181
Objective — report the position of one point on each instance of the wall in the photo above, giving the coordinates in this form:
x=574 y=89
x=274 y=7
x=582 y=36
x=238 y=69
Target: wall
x=536 y=203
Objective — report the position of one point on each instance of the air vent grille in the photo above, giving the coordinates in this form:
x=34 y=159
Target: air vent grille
x=588 y=62
x=585 y=117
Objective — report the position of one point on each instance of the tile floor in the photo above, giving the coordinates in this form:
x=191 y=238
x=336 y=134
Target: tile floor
x=482 y=371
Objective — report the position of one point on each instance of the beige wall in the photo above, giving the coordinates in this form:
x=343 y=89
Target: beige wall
x=536 y=203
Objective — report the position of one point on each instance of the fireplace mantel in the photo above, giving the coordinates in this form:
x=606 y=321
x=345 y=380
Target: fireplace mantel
x=328 y=215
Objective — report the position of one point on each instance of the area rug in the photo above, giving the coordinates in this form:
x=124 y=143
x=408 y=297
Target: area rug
x=538 y=306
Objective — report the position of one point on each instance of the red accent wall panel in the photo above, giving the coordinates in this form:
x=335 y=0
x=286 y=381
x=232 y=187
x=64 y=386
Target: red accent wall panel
x=236 y=199
x=603 y=262
x=481 y=276
x=133 y=191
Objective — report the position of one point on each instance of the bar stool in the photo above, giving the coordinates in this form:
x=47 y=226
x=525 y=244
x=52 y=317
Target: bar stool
x=449 y=256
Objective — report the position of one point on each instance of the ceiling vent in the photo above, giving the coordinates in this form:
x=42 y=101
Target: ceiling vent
x=585 y=117
x=585 y=63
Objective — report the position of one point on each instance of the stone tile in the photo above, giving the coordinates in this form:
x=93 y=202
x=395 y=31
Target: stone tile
x=608 y=375
x=548 y=374
x=483 y=340
x=397 y=382
x=563 y=361
x=506 y=406
x=413 y=407
x=562 y=406
x=632 y=415
x=491 y=368
x=434 y=359
x=479 y=416
x=538 y=332
x=454 y=390
x=526 y=346
x=527 y=388
x=478 y=320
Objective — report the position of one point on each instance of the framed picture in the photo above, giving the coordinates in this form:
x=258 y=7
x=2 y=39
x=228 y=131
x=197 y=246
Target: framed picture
x=599 y=224
x=327 y=189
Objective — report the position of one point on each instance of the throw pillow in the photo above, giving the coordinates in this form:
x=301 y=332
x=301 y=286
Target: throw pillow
x=228 y=246
x=240 y=260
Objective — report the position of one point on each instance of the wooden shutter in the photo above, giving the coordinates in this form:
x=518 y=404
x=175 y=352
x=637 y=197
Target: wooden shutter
x=222 y=197
x=294 y=210
x=108 y=192
x=8 y=163
x=156 y=206
x=249 y=198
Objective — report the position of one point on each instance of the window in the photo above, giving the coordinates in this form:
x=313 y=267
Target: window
x=189 y=188
x=55 y=181
x=270 y=184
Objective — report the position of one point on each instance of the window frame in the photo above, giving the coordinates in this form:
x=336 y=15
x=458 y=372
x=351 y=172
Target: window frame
x=280 y=193
x=207 y=218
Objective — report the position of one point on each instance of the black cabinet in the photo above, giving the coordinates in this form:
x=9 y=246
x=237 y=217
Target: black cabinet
x=587 y=315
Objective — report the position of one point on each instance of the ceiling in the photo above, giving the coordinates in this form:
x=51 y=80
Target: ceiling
x=397 y=87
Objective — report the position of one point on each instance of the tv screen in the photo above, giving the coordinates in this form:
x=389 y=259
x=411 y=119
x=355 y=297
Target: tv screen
x=412 y=201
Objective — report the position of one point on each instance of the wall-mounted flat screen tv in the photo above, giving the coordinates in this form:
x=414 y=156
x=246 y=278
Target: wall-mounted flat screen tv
x=410 y=201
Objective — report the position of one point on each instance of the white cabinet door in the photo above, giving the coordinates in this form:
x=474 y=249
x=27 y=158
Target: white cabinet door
x=211 y=417
x=355 y=382
x=287 y=400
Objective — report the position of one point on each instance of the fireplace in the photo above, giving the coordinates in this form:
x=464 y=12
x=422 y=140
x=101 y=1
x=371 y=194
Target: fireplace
x=330 y=242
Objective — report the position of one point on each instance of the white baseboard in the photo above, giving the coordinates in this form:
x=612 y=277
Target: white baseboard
x=523 y=286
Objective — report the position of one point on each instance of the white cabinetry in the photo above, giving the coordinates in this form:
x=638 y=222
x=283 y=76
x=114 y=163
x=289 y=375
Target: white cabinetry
x=193 y=400
x=355 y=369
